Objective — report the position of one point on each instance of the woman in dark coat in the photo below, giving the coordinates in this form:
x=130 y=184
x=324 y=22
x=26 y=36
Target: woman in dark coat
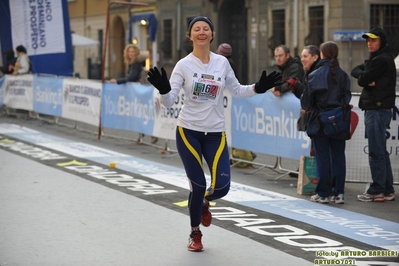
x=131 y=58
x=328 y=87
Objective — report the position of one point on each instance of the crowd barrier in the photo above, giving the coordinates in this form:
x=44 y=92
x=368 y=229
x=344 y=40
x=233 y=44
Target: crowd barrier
x=264 y=124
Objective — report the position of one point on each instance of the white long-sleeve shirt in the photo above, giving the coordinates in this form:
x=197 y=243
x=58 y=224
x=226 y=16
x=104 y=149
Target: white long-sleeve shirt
x=203 y=86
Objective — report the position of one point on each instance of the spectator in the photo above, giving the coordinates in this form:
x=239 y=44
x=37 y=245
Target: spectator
x=328 y=87
x=226 y=50
x=131 y=58
x=200 y=131
x=23 y=64
x=310 y=57
x=377 y=76
x=8 y=68
x=290 y=68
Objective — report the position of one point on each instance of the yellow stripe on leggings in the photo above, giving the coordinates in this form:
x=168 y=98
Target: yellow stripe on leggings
x=216 y=161
x=189 y=147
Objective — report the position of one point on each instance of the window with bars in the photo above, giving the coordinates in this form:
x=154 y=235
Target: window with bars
x=316 y=26
x=167 y=39
x=278 y=37
x=387 y=17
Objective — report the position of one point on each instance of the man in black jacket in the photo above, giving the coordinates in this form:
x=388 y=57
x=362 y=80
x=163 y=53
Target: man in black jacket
x=290 y=68
x=377 y=76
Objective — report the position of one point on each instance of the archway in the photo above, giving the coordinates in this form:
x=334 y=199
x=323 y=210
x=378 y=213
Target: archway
x=233 y=30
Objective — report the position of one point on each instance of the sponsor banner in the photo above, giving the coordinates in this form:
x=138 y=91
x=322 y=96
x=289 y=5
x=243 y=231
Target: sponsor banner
x=2 y=90
x=227 y=102
x=357 y=148
x=129 y=106
x=267 y=124
x=39 y=25
x=47 y=94
x=42 y=27
x=19 y=92
x=166 y=117
x=82 y=101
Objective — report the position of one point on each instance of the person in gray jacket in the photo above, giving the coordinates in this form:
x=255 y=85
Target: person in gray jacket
x=377 y=76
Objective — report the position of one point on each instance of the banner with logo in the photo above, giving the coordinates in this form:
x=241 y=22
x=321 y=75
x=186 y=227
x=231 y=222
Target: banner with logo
x=166 y=117
x=2 y=90
x=43 y=28
x=82 y=100
x=267 y=124
x=19 y=92
x=48 y=95
x=128 y=106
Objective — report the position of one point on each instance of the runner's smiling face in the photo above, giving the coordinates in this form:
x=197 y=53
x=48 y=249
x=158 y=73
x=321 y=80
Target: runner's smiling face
x=201 y=33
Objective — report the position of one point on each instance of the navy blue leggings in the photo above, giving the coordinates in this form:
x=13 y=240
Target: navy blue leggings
x=192 y=147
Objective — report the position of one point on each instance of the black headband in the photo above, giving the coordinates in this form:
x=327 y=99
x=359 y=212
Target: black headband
x=195 y=19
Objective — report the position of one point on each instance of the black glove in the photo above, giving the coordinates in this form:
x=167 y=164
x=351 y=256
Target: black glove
x=267 y=82
x=161 y=82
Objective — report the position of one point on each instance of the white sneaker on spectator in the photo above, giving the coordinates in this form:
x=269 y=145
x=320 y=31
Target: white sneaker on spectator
x=317 y=198
x=339 y=199
x=389 y=197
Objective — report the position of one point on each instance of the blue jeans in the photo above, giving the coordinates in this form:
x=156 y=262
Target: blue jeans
x=377 y=122
x=330 y=165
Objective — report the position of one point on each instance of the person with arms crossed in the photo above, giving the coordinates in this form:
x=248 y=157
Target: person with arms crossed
x=377 y=76
x=200 y=131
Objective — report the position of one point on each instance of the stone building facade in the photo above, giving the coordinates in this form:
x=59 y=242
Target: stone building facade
x=252 y=27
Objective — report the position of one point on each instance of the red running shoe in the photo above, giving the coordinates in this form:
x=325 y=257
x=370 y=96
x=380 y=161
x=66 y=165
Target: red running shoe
x=194 y=242
x=206 y=217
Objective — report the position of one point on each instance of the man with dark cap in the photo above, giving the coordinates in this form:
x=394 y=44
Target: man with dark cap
x=377 y=76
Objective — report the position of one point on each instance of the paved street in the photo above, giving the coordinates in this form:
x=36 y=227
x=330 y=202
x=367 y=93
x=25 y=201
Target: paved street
x=61 y=204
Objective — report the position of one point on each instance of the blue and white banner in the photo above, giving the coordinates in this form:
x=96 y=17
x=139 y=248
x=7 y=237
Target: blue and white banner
x=2 y=90
x=128 y=106
x=82 y=100
x=35 y=23
x=267 y=124
x=19 y=92
x=42 y=27
x=48 y=95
